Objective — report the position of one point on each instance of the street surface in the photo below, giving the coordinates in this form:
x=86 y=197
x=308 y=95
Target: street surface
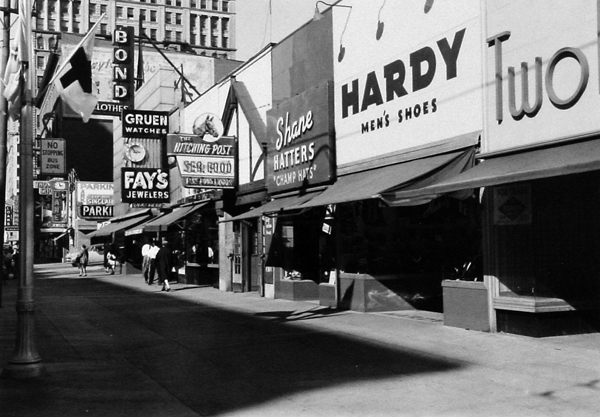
x=114 y=346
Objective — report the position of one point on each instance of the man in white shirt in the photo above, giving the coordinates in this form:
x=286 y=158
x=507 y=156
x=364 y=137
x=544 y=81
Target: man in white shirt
x=146 y=261
x=152 y=255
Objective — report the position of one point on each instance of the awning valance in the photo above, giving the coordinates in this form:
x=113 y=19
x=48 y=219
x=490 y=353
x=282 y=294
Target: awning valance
x=383 y=182
x=565 y=159
x=161 y=223
x=111 y=228
x=284 y=203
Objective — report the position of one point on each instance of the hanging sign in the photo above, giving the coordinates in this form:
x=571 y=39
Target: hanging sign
x=52 y=156
x=203 y=161
x=144 y=185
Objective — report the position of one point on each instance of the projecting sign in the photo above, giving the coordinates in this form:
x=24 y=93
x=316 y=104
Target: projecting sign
x=203 y=162
x=94 y=200
x=144 y=185
x=52 y=156
x=145 y=124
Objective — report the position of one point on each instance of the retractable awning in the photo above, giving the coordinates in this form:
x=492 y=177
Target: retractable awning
x=161 y=223
x=385 y=181
x=571 y=158
x=111 y=228
x=284 y=203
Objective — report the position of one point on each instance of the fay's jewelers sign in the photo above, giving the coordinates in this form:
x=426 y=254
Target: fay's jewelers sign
x=144 y=185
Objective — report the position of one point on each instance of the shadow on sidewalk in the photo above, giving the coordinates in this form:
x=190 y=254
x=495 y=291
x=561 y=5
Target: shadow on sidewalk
x=112 y=349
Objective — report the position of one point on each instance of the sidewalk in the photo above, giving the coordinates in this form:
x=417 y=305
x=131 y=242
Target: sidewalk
x=114 y=346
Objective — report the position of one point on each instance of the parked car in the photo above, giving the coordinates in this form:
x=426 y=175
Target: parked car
x=96 y=254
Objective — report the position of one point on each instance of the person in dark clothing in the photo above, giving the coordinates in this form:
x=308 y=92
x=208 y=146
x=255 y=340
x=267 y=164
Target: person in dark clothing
x=164 y=265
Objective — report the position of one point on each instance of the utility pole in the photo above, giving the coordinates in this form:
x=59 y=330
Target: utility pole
x=25 y=362
x=3 y=126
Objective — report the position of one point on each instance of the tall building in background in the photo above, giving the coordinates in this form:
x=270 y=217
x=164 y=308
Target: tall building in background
x=203 y=27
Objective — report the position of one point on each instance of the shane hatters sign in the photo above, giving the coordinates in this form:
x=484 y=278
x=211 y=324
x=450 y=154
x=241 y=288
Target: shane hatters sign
x=300 y=148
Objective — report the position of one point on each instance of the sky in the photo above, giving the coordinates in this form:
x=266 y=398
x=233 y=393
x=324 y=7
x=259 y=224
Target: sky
x=259 y=22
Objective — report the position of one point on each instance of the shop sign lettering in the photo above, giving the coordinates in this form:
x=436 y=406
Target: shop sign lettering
x=202 y=162
x=94 y=200
x=123 y=63
x=300 y=141
x=145 y=123
x=391 y=82
x=542 y=80
x=52 y=156
x=144 y=185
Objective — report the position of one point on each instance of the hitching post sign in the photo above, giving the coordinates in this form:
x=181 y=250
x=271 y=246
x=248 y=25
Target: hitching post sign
x=52 y=156
x=203 y=163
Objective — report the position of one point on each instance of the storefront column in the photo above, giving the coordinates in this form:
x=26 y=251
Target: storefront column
x=490 y=278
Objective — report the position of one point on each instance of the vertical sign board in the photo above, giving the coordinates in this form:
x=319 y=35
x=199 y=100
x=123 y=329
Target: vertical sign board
x=54 y=204
x=52 y=157
x=300 y=141
x=123 y=41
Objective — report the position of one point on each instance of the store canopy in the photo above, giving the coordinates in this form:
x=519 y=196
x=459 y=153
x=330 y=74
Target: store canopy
x=566 y=159
x=383 y=182
x=122 y=225
x=161 y=223
x=284 y=203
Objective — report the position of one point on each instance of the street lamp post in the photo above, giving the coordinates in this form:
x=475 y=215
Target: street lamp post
x=25 y=362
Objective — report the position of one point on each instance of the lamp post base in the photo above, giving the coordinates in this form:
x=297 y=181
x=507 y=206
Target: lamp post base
x=23 y=370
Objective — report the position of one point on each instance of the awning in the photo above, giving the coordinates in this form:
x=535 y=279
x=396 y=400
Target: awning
x=376 y=182
x=284 y=203
x=161 y=223
x=566 y=159
x=111 y=228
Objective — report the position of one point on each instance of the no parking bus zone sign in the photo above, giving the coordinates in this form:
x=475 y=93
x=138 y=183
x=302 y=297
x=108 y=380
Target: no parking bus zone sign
x=52 y=156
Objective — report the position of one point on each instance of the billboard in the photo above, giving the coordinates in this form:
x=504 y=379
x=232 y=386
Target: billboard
x=94 y=200
x=406 y=76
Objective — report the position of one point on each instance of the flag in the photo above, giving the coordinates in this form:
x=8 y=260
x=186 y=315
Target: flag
x=73 y=79
x=13 y=73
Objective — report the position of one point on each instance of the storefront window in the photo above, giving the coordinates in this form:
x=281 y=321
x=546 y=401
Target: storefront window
x=202 y=236
x=546 y=234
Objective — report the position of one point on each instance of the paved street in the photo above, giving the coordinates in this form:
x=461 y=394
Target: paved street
x=114 y=346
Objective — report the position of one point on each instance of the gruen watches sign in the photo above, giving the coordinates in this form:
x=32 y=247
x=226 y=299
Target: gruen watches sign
x=144 y=185
x=145 y=123
x=52 y=156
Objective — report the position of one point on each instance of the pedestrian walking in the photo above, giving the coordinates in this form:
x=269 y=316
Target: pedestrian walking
x=111 y=260
x=82 y=261
x=164 y=265
x=152 y=252
x=146 y=261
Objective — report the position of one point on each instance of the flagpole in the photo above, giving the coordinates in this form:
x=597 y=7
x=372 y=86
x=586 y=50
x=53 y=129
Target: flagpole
x=25 y=362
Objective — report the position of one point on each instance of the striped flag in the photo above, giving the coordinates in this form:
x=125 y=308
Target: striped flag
x=13 y=73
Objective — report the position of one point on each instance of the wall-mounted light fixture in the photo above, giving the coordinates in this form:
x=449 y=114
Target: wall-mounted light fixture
x=318 y=16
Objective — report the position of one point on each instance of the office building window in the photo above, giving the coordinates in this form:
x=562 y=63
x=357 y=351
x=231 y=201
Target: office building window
x=102 y=8
x=52 y=44
x=120 y=11
x=41 y=62
x=130 y=12
x=153 y=34
x=178 y=18
x=168 y=17
x=215 y=5
x=225 y=6
x=153 y=15
x=76 y=8
x=178 y=36
x=103 y=28
x=143 y=14
x=203 y=4
x=40 y=42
